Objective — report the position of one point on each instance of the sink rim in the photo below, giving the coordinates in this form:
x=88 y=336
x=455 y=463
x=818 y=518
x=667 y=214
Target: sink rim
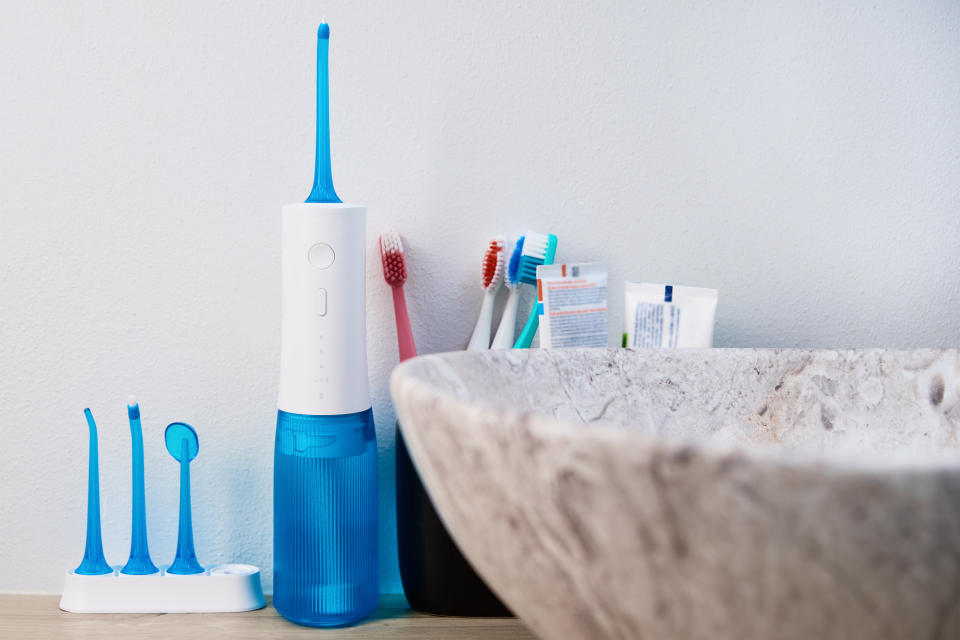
x=846 y=462
x=510 y=489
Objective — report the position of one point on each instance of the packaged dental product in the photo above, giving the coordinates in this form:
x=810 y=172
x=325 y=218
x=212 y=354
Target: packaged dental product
x=573 y=305
x=668 y=316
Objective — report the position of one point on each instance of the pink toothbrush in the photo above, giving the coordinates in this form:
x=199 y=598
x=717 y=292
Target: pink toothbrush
x=395 y=273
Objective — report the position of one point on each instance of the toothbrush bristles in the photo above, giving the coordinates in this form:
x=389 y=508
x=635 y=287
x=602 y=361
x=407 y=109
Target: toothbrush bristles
x=535 y=249
x=513 y=267
x=394 y=263
x=491 y=271
x=535 y=245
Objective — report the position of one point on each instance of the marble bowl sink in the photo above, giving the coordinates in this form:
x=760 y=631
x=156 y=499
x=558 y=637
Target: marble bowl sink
x=723 y=493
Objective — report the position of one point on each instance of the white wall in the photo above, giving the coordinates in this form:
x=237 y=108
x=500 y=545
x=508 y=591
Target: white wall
x=804 y=158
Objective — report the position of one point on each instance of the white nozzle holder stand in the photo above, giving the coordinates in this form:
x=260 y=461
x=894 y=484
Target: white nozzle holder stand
x=101 y=588
x=323 y=364
x=223 y=588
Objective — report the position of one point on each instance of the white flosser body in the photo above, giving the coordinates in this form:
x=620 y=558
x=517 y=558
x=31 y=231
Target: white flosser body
x=323 y=363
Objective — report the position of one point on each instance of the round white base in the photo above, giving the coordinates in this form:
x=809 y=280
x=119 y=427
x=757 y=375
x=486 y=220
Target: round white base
x=221 y=588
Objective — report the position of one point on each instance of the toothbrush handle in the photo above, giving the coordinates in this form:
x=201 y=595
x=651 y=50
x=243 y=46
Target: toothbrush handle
x=480 y=340
x=508 y=322
x=530 y=330
x=404 y=334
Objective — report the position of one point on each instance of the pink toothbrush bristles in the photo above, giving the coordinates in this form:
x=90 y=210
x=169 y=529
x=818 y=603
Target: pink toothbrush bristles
x=394 y=264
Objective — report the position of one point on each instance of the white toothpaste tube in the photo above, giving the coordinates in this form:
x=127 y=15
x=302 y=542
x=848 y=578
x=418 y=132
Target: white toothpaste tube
x=668 y=316
x=573 y=305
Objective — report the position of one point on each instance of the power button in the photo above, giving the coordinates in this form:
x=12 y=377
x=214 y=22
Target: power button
x=321 y=302
x=321 y=255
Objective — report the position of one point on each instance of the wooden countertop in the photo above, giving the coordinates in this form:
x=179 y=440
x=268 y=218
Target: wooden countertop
x=40 y=617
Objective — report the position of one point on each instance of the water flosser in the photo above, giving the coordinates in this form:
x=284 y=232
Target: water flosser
x=325 y=464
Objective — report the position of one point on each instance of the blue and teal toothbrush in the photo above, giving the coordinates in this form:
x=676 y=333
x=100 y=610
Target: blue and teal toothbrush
x=508 y=321
x=182 y=443
x=93 y=564
x=139 y=562
x=538 y=248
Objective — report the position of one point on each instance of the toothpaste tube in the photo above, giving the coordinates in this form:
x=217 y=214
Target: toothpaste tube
x=668 y=316
x=573 y=305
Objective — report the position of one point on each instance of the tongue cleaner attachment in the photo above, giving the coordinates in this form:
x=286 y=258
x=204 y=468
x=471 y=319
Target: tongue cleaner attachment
x=183 y=445
x=94 y=564
x=323 y=190
x=139 y=562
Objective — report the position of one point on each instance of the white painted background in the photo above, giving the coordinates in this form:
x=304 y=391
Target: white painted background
x=802 y=157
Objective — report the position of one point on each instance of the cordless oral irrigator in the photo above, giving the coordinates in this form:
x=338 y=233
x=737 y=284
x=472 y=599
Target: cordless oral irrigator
x=325 y=464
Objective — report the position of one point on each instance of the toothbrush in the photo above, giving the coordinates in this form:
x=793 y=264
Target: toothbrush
x=395 y=273
x=139 y=563
x=491 y=277
x=508 y=322
x=94 y=564
x=538 y=249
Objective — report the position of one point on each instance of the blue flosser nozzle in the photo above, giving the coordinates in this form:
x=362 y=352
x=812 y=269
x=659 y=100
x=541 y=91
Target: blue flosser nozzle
x=182 y=443
x=93 y=564
x=139 y=562
x=323 y=190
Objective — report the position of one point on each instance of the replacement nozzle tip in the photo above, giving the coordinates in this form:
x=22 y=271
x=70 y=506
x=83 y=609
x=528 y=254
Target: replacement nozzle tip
x=133 y=409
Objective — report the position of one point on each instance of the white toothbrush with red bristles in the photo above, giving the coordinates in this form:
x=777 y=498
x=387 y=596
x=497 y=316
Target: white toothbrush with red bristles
x=491 y=277
x=395 y=273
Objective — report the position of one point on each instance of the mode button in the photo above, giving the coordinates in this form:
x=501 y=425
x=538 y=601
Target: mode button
x=321 y=302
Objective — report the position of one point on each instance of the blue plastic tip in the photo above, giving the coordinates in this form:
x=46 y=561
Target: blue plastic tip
x=93 y=564
x=183 y=445
x=139 y=562
x=323 y=190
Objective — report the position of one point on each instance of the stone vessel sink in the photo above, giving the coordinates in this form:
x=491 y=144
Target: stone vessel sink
x=723 y=493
